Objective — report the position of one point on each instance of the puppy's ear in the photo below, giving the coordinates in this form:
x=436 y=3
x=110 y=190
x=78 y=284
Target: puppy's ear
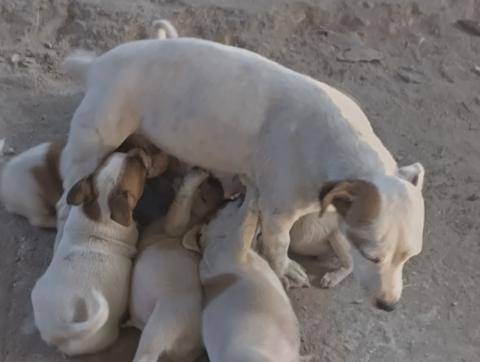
x=414 y=173
x=82 y=192
x=338 y=194
x=120 y=210
x=141 y=155
x=159 y=161
x=191 y=240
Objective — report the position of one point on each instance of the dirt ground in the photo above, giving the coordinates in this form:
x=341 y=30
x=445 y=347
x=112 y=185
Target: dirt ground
x=409 y=65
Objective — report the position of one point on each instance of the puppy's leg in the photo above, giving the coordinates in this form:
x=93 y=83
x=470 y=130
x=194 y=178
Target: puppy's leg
x=163 y=332
x=341 y=248
x=178 y=216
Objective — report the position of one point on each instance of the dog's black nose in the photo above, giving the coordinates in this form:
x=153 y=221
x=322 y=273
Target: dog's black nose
x=381 y=304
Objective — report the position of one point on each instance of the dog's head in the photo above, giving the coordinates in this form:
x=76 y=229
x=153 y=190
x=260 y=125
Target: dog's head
x=114 y=189
x=383 y=219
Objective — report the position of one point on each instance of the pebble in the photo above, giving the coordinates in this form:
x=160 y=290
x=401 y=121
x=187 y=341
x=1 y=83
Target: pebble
x=411 y=75
x=48 y=45
x=476 y=69
x=357 y=54
x=471 y=27
x=15 y=59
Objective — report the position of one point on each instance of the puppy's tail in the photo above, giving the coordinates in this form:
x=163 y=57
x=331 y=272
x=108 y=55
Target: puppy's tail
x=164 y=29
x=67 y=331
x=77 y=64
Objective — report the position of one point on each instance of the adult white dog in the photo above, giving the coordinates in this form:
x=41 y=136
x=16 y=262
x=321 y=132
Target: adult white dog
x=230 y=110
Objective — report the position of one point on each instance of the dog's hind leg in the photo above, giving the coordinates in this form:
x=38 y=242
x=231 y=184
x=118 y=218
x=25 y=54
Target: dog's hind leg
x=163 y=335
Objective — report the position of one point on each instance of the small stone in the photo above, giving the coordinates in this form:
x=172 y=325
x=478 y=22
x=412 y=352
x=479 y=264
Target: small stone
x=15 y=59
x=48 y=45
x=471 y=27
x=473 y=197
x=410 y=75
x=4 y=150
x=453 y=304
x=476 y=69
x=365 y=55
x=357 y=301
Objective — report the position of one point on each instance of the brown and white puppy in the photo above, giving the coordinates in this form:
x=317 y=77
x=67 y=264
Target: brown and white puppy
x=31 y=185
x=166 y=295
x=80 y=299
x=247 y=315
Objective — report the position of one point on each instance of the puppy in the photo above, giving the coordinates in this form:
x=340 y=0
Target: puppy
x=30 y=184
x=247 y=315
x=166 y=296
x=81 y=298
x=312 y=235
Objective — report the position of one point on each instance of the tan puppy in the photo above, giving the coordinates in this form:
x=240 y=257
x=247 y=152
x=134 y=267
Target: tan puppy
x=166 y=295
x=31 y=185
x=247 y=315
x=79 y=301
x=313 y=235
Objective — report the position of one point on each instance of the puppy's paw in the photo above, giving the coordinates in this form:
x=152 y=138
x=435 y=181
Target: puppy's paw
x=331 y=279
x=295 y=276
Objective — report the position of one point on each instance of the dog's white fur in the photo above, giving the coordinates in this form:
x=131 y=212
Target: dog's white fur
x=80 y=299
x=247 y=314
x=230 y=110
x=166 y=295
x=22 y=193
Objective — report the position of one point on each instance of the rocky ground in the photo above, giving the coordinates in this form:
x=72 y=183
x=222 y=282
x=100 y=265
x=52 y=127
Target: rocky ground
x=413 y=67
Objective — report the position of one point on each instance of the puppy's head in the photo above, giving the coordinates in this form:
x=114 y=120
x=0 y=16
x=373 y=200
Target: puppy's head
x=114 y=189
x=383 y=220
x=207 y=199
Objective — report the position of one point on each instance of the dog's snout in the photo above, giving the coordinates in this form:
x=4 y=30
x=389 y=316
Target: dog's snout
x=383 y=305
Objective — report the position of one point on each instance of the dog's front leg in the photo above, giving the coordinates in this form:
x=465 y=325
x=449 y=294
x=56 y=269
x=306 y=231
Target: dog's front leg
x=276 y=240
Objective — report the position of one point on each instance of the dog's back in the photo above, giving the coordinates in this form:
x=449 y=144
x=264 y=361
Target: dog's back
x=30 y=184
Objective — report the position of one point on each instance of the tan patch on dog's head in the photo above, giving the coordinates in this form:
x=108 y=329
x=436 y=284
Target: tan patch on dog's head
x=125 y=195
x=48 y=177
x=358 y=201
x=159 y=159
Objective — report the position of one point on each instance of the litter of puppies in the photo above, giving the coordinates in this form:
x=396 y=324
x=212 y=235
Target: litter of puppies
x=212 y=272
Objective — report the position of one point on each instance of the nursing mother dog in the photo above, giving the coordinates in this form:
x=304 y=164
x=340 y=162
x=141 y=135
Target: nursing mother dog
x=304 y=144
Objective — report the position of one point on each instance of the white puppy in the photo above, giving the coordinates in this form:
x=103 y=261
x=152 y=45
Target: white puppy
x=247 y=315
x=230 y=110
x=30 y=185
x=80 y=300
x=166 y=296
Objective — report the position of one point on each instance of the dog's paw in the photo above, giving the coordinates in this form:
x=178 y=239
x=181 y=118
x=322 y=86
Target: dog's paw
x=295 y=276
x=331 y=279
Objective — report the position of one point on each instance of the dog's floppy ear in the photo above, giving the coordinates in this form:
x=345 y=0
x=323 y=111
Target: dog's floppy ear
x=159 y=162
x=191 y=240
x=120 y=210
x=414 y=173
x=143 y=156
x=82 y=192
x=338 y=194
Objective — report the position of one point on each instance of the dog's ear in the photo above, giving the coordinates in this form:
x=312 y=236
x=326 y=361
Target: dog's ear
x=338 y=194
x=82 y=192
x=414 y=173
x=191 y=240
x=141 y=155
x=159 y=161
x=120 y=210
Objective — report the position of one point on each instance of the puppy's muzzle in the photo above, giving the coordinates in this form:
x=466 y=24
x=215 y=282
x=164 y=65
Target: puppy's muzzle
x=383 y=305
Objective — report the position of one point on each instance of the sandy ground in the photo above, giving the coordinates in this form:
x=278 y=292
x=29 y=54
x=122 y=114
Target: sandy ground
x=405 y=61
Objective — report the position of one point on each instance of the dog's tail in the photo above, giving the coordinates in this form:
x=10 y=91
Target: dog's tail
x=81 y=330
x=164 y=29
x=77 y=64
